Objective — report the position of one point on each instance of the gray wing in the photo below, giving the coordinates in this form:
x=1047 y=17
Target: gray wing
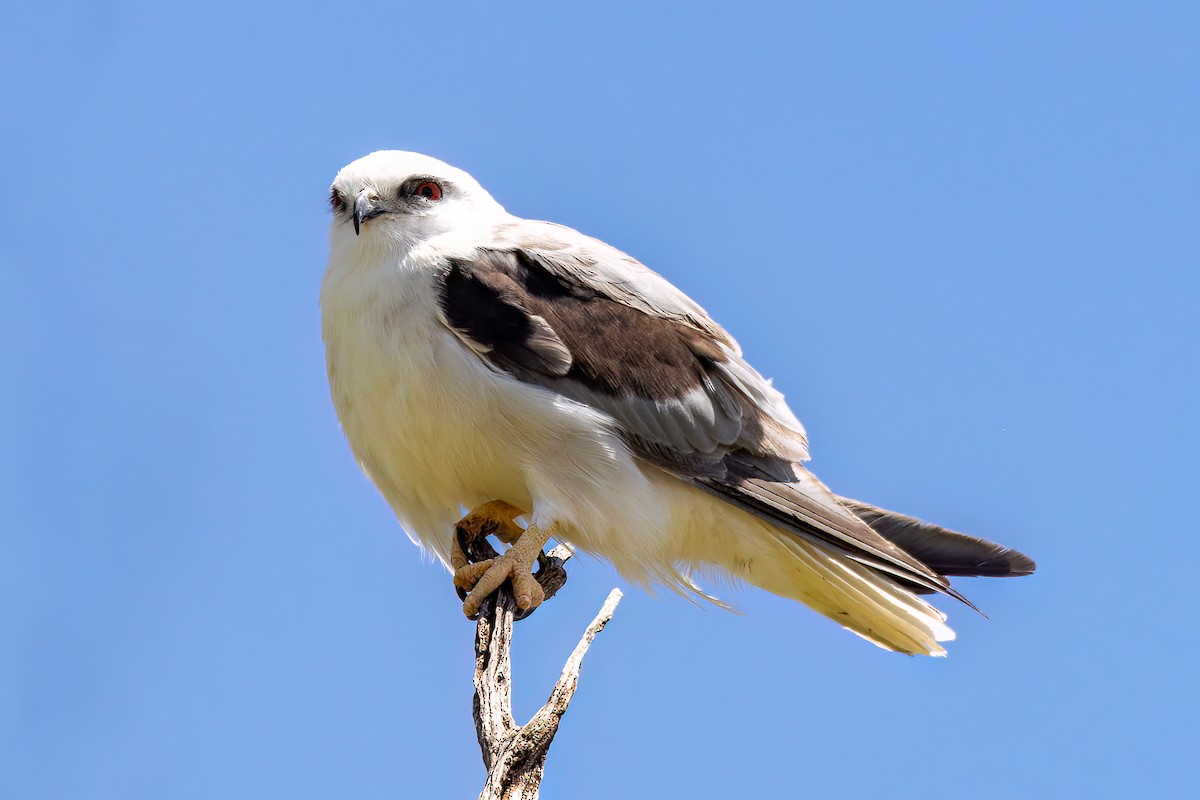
x=588 y=267
x=575 y=316
x=583 y=261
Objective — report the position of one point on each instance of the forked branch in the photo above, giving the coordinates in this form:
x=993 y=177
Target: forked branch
x=515 y=755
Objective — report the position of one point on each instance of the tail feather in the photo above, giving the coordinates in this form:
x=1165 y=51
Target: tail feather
x=945 y=552
x=873 y=605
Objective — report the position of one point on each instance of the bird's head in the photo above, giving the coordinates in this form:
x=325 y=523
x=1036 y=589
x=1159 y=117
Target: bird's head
x=407 y=197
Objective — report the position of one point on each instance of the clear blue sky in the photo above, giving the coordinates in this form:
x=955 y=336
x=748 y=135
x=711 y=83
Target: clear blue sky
x=963 y=240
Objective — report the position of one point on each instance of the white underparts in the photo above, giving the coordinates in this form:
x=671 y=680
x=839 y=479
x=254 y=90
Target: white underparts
x=440 y=432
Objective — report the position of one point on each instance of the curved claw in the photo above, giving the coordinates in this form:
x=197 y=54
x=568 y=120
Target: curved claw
x=550 y=576
x=479 y=571
x=467 y=576
x=486 y=577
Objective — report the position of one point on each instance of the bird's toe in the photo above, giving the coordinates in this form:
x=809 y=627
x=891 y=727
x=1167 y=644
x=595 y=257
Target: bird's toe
x=527 y=591
x=468 y=576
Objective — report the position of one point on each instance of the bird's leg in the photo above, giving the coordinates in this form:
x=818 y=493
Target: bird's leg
x=483 y=578
x=517 y=564
x=490 y=519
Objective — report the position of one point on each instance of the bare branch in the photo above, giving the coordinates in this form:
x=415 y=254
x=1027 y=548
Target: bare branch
x=564 y=689
x=492 y=706
x=516 y=756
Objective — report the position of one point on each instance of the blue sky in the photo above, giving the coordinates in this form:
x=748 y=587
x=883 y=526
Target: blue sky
x=962 y=239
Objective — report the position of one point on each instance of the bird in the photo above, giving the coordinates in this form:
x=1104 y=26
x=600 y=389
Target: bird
x=491 y=368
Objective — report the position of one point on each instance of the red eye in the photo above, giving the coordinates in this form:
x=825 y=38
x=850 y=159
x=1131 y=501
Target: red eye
x=430 y=191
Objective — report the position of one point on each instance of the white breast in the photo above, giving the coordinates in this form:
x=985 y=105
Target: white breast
x=439 y=431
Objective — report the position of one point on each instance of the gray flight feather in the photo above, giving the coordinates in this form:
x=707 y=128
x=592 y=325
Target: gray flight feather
x=946 y=552
x=571 y=314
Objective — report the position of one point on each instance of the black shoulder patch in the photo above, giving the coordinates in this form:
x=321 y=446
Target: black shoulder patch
x=485 y=306
x=521 y=315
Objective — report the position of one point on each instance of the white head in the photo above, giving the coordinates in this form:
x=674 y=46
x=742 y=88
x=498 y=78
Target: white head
x=407 y=198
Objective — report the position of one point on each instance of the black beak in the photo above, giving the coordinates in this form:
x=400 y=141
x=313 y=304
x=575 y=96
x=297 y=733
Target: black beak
x=365 y=209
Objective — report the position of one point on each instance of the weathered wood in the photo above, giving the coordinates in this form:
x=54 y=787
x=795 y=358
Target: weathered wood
x=515 y=755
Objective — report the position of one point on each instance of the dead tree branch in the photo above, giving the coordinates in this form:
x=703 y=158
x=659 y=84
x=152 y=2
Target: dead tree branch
x=515 y=755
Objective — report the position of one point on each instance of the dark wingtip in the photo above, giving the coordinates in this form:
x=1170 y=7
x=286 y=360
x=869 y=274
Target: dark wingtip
x=1019 y=564
x=1000 y=562
x=1023 y=564
x=946 y=552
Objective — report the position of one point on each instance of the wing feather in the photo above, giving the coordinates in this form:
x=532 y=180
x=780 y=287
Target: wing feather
x=579 y=318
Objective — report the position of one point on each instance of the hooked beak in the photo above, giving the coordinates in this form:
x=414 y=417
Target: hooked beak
x=365 y=208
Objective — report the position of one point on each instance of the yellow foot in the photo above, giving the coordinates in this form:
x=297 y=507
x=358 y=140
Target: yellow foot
x=483 y=578
x=490 y=519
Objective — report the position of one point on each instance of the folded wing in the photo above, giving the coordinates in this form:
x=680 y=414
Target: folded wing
x=554 y=308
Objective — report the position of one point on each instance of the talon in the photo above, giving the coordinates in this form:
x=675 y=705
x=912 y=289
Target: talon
x=475 y=582
x=466 y=576
x=470 y=608
x=528 y=591
x=485 y=578
x=510 y=566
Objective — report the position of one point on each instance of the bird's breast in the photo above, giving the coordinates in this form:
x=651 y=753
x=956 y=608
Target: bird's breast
x=438 y=430
x=420 y=411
